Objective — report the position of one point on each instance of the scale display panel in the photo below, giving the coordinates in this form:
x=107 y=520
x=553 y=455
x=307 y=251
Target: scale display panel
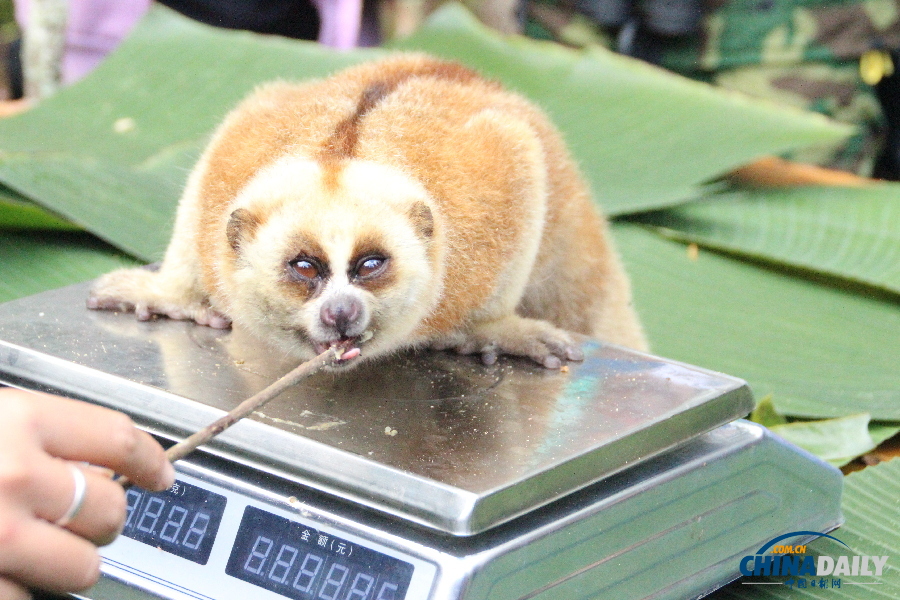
x=261 y=547
x=300 y=562
x=182 y=520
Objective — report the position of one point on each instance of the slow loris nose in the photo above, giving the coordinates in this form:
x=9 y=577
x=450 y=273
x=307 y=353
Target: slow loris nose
x=341 y=313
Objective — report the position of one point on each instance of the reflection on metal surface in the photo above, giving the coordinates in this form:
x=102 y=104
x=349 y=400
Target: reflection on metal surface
x=438 y=438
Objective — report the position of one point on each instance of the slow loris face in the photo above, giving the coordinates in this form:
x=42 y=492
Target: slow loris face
x=326 y=257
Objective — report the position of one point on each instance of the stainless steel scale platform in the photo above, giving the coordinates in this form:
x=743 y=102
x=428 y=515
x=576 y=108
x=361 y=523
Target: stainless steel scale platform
x=427 y=476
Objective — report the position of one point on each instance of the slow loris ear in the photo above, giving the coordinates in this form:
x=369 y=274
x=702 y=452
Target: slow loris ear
x=422 y=219
x=241 y=226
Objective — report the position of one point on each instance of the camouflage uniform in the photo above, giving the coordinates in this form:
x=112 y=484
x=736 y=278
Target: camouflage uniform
x=804 y=53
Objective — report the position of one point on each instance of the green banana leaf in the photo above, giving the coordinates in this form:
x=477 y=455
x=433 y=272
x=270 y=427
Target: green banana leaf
x=818 y=350
x=766 y=414
x=871 y=507
x=19 y=213
x=837 y=441
x=849 y=233
x=131 y=208
x=32 y=262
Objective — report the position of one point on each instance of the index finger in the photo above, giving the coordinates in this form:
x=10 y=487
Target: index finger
x=80 y=431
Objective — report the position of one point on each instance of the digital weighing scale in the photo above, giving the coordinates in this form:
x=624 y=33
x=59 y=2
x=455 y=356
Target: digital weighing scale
x=425 y=477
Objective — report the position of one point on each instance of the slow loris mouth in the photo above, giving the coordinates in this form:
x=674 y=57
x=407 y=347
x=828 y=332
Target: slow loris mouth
x=354 y=342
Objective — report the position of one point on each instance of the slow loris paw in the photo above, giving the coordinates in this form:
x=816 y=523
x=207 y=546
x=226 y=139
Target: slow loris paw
x=147 y=293
x=540 y=341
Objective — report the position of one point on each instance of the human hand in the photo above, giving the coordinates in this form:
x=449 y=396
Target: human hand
x=43 y=439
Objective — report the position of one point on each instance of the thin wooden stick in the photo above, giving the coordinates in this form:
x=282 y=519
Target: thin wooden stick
x=192 y=442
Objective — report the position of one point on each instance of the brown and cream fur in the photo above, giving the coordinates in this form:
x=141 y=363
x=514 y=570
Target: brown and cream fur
x=486 y=234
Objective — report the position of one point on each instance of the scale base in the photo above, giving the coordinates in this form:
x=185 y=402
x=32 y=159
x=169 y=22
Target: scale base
x=674 y=527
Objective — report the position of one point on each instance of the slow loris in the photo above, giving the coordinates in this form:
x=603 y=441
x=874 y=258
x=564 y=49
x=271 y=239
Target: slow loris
x=401 y=203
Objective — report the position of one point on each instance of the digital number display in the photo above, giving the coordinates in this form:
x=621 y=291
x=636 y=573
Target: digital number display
x=183 y=519
x=300 y=562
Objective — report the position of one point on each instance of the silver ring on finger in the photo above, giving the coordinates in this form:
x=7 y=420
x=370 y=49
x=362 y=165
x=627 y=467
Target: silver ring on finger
x=77 y=498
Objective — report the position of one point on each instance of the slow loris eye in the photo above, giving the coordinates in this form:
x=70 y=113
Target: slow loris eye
x=370 y=265
x=305 y=269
